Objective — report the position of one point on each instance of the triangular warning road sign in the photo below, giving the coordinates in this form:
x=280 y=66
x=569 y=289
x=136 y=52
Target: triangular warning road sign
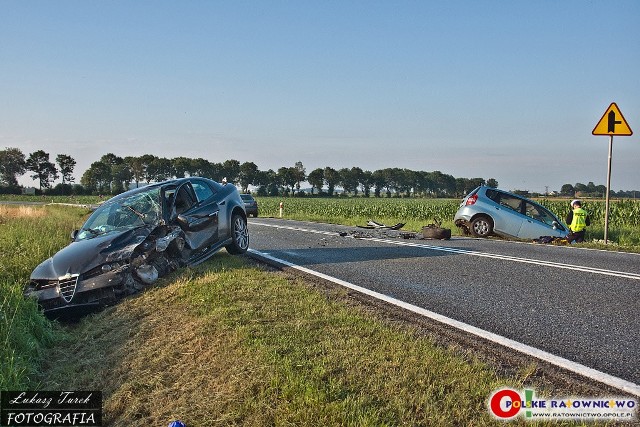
x=612 y=123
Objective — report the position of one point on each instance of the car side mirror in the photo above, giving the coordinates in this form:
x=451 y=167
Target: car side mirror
x=555 y=225
x=74 y=233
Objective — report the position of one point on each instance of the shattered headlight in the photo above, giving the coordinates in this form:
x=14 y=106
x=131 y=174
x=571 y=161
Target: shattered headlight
x=105 y=268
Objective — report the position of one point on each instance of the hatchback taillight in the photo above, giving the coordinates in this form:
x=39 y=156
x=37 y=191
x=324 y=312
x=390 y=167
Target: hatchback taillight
x=471 y=200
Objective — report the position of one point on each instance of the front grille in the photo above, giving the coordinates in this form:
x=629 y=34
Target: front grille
x=67 y=286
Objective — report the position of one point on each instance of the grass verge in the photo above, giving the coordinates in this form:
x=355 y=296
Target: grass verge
x=27 y=236
x=230 y=343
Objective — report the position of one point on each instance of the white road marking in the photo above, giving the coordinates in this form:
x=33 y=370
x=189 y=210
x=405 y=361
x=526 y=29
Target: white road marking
x=583 y=268
x=585 y=371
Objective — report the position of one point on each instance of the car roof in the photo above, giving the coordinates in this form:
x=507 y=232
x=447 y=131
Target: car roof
x=486 y=187
x=170 y=182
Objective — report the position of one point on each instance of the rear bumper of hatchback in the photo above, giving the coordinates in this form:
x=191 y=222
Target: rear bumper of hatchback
x=463 y=216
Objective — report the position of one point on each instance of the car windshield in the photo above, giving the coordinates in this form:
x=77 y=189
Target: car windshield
x=134 y=211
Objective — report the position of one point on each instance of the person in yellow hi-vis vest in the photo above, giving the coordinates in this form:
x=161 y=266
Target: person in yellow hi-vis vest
x=578 y=220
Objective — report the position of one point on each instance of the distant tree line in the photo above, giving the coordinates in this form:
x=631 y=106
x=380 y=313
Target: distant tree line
x=595 y=191
x=113 y=174
x=13 y=163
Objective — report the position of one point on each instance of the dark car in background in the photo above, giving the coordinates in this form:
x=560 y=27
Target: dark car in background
x=134 y=238
x=250 y=205
x=487 y=210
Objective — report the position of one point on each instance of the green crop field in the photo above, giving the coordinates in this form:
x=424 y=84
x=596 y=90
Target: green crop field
x=624 y=215
x=353 y=211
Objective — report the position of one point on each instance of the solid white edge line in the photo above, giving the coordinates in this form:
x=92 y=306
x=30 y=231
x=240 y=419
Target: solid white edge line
x=561 y=362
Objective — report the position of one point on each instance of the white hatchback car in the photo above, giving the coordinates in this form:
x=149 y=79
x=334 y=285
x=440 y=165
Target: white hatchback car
x=487 y=211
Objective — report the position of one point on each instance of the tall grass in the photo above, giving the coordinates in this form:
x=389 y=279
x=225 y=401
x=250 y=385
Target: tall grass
x=27 y=237
x=622 y=213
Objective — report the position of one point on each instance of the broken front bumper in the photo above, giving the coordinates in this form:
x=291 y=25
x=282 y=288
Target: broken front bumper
x=75 y=291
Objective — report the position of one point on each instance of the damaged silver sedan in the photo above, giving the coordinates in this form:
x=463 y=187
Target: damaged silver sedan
x=136 y=237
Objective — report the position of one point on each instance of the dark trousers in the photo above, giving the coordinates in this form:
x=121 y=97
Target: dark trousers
x=576 y=236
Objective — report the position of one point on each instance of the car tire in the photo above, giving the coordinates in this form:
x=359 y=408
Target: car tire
x=436 y=233
x=239 y=235
x=481 y=226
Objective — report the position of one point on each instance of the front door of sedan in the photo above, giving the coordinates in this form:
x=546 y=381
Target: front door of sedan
x=198 y=219
x=539 y=222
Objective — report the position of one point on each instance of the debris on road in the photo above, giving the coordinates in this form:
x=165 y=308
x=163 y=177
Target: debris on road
x=371 y=225
x=379 y=230
x=435 y=231
x=551 y=240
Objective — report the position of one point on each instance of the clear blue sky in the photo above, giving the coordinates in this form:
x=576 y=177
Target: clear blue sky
x=507 y=89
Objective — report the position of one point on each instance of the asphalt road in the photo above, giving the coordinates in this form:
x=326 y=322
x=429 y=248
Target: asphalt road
x=579 y=304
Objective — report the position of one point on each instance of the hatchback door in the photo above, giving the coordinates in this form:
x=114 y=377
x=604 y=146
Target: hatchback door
x=539 y=222
x=506 y=213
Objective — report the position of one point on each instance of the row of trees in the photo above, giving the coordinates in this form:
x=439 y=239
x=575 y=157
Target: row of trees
x=113 y=174
x=592 y=190
x=13 y=163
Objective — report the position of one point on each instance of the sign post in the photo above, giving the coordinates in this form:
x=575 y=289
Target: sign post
x=612 y=123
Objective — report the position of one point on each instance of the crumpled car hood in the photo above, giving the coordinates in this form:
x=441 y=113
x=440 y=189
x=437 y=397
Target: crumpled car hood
x=83 y=255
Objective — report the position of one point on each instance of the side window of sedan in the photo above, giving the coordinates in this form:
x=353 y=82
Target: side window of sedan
x=203 y=191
